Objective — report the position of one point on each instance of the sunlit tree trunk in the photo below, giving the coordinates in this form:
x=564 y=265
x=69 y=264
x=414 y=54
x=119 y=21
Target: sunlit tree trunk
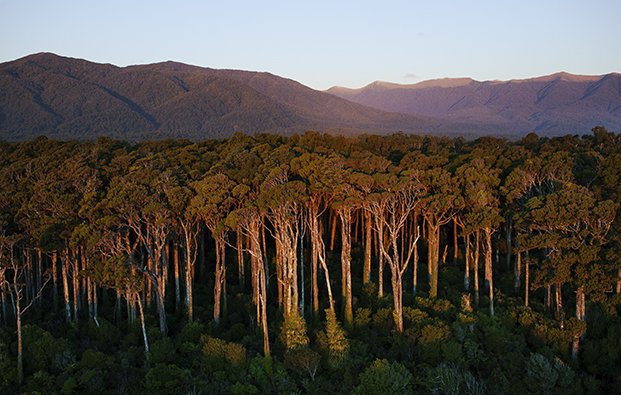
x=177 y=276
x=467 y=271
x=345 y=217
x=580 y=316
x=240 y=257
x=489 y=273
x=476 y=267
x=65 y=276
x=220 y=276
x=433 y=244
x=455 y=244
x=55 y=279
x=368 y=240
x=143 y=326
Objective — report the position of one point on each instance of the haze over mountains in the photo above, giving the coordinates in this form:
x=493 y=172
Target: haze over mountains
x=72 y=98
x=560 y=103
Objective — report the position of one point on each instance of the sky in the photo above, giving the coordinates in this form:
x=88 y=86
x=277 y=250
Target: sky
x=326 y=43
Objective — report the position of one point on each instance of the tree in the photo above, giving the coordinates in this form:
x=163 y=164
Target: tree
x=391 y=206
x=212 y=203
x=16 y=288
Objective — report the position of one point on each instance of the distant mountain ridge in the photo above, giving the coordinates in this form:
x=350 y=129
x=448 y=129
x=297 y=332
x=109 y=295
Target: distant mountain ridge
x=73 y=98
x=67 y=98
x=556 y=104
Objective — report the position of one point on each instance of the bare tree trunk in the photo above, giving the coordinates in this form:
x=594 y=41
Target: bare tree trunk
x=65 y=274
x=75 y=271
x=518 y=271
x=345 y=217
x=89 y=295
x=189 y=303
x=580 y=316
x=415 y=267
x=467 y=271
x=55 y=278
x=489 y=273
x=433 y=244
x=143 y=326
x=380 y=270
x=333 y=233
x=455 y=244
x=314 y=233
x=509 y=247
x=476 y=267
x=18 y=319
x=39 y=272
x=559 y=303
x=220 y=275
x=240 y=258
x=526 y=280
x=177 y=275
x=366 y=276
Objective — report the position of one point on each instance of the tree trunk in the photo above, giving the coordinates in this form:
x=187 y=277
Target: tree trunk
x=380 y=270
x=55 y=278
x=333 y=233
x=368 y=239
x=18 y=320
x=177 y=276
x=509 y=247
x=397 y=291
x=415 y=266
x=559 y=303
x=580 y=316
x=189 y=303
x=518 y=271
x=345 y=217
x=476 y=267
x=220 y=275
x=143 y=327
x=39 y=272
x=433 y=248
x=526 y=280
x=489 y=273
x=455 y=245
x=240 y=258
x=75 y=266
x=65 y=274
x=467 y=263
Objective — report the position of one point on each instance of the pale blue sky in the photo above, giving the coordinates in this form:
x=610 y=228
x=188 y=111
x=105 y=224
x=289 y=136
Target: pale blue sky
x=326 y=43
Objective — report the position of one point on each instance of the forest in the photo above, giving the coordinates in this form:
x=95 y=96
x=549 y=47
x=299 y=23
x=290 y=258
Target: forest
x=311 y=264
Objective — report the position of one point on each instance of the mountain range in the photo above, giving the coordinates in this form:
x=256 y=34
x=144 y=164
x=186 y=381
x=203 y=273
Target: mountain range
x=66 y=98
x=556 y=104
x=73 y=98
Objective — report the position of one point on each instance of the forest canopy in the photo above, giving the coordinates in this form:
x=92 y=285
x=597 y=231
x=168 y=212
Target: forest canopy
x=311 y=263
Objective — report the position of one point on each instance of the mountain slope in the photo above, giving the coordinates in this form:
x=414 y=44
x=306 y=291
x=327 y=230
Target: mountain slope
x=73 y=98
x=551 y=105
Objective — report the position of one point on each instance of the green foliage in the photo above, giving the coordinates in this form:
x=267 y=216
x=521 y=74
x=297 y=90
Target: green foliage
x=43 y=352
x=384 y=377
x=221 y=351
x=447 y=378
x=545 y=376
x=333 y=340
x=293 y=332
x=169 y=379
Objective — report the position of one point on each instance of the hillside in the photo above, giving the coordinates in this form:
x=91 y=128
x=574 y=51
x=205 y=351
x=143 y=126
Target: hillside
x=72 y=98
x=551 y=105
